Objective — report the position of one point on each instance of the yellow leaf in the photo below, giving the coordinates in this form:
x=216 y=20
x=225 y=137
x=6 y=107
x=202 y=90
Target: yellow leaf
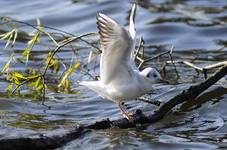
x=16 y=80
x=8 y=41
x=18 y=75
x=15 y=37
x=37 y=82
x=5 y=36
x=7 y=65
x=9 y=88
x=9 y=35
x=30 y=45
x=67 y=74
x=32 y=76
x=6 y=68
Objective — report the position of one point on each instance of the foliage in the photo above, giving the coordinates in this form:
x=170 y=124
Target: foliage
x=64 y=84
x=36 y=79
x=9 y=36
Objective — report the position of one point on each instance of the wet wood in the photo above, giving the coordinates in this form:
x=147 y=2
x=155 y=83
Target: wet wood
x=42 y=142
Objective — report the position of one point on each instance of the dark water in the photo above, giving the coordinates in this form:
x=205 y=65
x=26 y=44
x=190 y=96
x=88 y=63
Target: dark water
x=198 y=31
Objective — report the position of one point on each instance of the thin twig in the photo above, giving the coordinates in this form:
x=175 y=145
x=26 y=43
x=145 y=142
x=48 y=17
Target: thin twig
x=24 y=82
x=141 y=43
x=157 y=56
x=62 y=45
x=150 y=101
x=44 y=90
x=171 y=59
x=201 y=69
x=48 y=34
x=86 y=72
x=154 y=57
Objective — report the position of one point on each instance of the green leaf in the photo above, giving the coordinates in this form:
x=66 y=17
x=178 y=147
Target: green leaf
x=29 y=47
x=20 y=60
x=9 y=88
x=5 y=36
x=7 y=65
x=15 y=37
x=18 y=75
x=9 y=77
x=8 y=41
x=33 y=76
x=40 y=87
x=54 y=63
x=37 y=82
x=57 y=66
x=67 y=86
x=63 y=82
x=16 y=80
x=11 y=35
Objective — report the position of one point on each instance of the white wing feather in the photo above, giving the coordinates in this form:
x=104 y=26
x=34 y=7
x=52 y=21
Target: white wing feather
x=116 y=45
x=132 y=31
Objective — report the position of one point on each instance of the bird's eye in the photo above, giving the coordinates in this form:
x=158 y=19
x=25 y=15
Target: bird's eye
x=154 y=75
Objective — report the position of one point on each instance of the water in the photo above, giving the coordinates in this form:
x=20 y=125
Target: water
x=197 y=29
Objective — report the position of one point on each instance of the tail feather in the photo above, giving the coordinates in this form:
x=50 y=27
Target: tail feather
x=93 y=85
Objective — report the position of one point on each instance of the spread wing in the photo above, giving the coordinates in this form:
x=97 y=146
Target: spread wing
x=116 y=45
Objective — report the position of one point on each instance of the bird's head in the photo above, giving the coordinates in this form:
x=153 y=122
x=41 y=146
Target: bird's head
x=152 y=75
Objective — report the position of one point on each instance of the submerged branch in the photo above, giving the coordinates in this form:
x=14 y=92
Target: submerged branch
x=42 y=142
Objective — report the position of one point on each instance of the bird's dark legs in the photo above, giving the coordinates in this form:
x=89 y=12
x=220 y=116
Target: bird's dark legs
x=127 y=115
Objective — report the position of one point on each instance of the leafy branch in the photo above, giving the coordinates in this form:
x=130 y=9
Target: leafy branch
x=35 y=79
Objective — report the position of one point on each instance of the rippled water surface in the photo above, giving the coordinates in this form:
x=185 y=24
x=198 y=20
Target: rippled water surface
x=196 y=29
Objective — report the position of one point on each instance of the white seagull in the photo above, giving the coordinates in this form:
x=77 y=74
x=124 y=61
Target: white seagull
x=120 y=80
